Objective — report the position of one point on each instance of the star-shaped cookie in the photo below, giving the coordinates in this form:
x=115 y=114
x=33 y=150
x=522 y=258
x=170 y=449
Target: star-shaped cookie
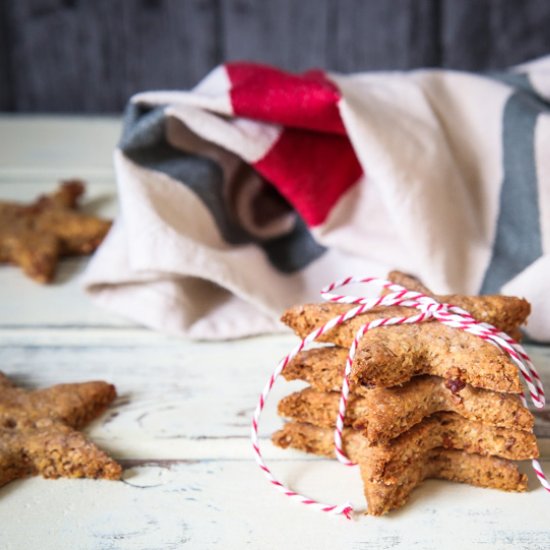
x=391 y=355
x=389 y=475
x=381 y=414
x=39 y=431
x=36 y=235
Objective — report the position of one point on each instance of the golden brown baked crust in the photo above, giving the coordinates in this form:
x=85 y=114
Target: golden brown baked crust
x=506 y=313
x=447 y=350
x=480 y=471
x=387 y=460
x=384 y=413
x=391 y=472
x=324 y=367
x=38 y=431
x=426 y=400
x=35 y=236
x=390 y=356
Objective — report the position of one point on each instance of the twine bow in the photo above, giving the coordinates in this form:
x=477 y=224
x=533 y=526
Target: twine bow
x=428 y=309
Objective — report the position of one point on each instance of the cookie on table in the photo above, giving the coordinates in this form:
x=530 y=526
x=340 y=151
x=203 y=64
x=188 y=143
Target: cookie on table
x=39 y=431
x=388 y=356
x=480 y=471
x=387 y=460
x=433 y=449
x=324 y=368
x=34 y=236
x=381 y=414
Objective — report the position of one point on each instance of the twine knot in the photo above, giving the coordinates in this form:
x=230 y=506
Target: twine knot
x=432 y=308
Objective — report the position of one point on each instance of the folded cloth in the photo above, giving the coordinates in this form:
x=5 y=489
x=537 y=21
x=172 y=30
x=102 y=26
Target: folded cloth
x=250 y=192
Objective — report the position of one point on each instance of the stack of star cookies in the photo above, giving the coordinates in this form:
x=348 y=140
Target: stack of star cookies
x=426 y=401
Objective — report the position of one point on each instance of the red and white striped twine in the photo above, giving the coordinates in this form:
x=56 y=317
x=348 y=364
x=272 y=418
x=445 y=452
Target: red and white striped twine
x=429 y=308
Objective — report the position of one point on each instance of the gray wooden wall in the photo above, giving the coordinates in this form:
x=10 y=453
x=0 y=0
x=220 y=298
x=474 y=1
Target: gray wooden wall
x=91 y=55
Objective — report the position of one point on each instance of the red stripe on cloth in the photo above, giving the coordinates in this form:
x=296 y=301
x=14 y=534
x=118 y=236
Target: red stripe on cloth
x=311 y=170
x=313 y=163
x=300 y=101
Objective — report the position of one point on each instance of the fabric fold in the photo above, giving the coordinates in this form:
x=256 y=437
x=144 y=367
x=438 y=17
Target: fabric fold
x=250 y=192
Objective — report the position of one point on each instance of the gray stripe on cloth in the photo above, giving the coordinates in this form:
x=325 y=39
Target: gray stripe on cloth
x=143 y=141
x=518 y=241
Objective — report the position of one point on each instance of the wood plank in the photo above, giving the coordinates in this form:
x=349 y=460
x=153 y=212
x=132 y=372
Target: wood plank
x=289 y=34
x=349 y=35
x=178 y=399
x=186 y=407
x=45 y=148
x=68 y=56
x=373 y=35
x=228 y=504
x=511 y=33
x=6 y=92
x=181 y=422
x=61 y=304
x=92 y=56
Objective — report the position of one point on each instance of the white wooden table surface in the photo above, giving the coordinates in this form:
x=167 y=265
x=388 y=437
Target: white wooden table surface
x=180 y=425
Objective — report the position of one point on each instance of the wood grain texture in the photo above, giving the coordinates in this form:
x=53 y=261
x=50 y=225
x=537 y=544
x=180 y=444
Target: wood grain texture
x=227 y=504
x=180 y=425
x=290 y=34
x=511 y=33
x=6 y=89
x=92 y=55
x=177 y=399
x=373 y=35
x=348 y=35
